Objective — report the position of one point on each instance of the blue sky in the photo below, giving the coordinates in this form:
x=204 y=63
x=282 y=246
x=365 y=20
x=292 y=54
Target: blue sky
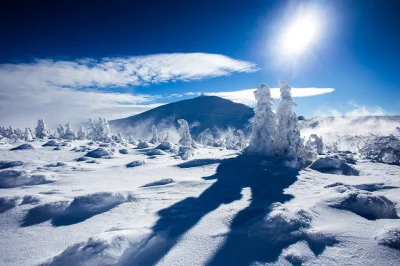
x=64 y=60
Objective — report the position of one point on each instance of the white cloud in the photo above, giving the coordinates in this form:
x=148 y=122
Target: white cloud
x=70 y=90
x=247 y=97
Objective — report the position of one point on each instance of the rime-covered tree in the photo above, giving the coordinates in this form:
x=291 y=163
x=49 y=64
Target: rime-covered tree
x=120 y=139
x=81 y=135
x=264 y=123
x=241 y=140
x=60 y=131
x=92 y=132
x=287 y=139
x=154 y=135
x=69 y=133
x=28 y=134
x=314 y=142
x=230 y=142
x=186 y=138
x=131 y=140
x=40 y=130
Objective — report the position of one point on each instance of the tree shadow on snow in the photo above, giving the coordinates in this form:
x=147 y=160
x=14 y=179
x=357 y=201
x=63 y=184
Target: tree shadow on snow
x=267 y=181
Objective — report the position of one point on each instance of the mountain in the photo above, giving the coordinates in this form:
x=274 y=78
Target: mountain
x=202 y=113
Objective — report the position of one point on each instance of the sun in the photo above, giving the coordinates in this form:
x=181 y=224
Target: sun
x=300 y=34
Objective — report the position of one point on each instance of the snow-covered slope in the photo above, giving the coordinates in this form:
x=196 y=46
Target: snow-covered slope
x=222 y=208
x=202 y=112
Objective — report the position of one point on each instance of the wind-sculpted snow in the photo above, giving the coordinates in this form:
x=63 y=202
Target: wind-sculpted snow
x=10 y=164
x=14 y=178
x=102 y=250
x=81 y=208
x=51 y=143
x=186 y=152
x=7 y=203
x=389 y=237
x=124 y=151
x=135 y=163
x=25 y=146
x=161 y=182
x=99 y=153
x=198 y=163
x=335 y=166
x=155 y=152
x=363 y=203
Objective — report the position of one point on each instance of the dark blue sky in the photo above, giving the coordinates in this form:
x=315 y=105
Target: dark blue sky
x=357 y=53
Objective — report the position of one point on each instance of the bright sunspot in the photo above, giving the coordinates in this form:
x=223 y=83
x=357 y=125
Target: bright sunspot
x=300 y=34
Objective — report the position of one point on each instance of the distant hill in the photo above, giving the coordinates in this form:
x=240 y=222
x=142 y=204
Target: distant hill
x=202 y=113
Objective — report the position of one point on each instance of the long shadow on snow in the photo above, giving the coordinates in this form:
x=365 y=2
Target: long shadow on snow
x=267 y=181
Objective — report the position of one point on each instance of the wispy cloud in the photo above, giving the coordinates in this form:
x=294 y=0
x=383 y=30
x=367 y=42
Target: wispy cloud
x=72 y=90
x=247 y=97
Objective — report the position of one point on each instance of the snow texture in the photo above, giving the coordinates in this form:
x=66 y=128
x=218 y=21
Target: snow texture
x=14 y=178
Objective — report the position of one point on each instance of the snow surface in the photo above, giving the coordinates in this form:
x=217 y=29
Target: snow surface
x=217 y=208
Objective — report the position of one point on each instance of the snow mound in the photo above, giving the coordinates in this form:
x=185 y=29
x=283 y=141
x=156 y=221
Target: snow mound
x=58 y=164
x=135 y=163
x=363 y=203
x=7 y=203
x=389 y=237
x=161 y=182
x=186 y=152
x=199 y=162
x=13 y=178
x=102 y=250
x=283 y=225
x=155 y=152
x=10 y=164
x=82 y=159
x=25 y=146
x=51 y=143
x=143 y=144
x=30 y=199
x=123 y=151
x=335 y=166
x=383 y=149
x=80 y=209
x=99 y=153
x=166 y=146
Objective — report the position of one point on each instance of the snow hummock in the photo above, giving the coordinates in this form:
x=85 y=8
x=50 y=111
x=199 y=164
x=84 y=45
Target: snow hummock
x=14 y=178
x=161 y=182
x=186 y=152
x=24 y=146
x=99 y=153
x=389 y=237
x=332 y=165
x=135 y=163
x=10 y=164
x=363 y=203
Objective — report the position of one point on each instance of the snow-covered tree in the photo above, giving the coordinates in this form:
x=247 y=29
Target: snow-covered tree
x=166 y=137
x=60 y=131
x=287 y=141
x=206 y=138
x=154 y=133
x=131 y=140
x=92 y=132
x=186 y=138
x=28 y=134
x=264 y=125
x=120 y=139
x=40 y=130
x=230 y=142
x=69 y=133
x=81 y=133
x=241 y=140
x=314 y=142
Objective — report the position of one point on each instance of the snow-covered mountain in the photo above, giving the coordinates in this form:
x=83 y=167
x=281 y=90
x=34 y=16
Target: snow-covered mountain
x=202 y=112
